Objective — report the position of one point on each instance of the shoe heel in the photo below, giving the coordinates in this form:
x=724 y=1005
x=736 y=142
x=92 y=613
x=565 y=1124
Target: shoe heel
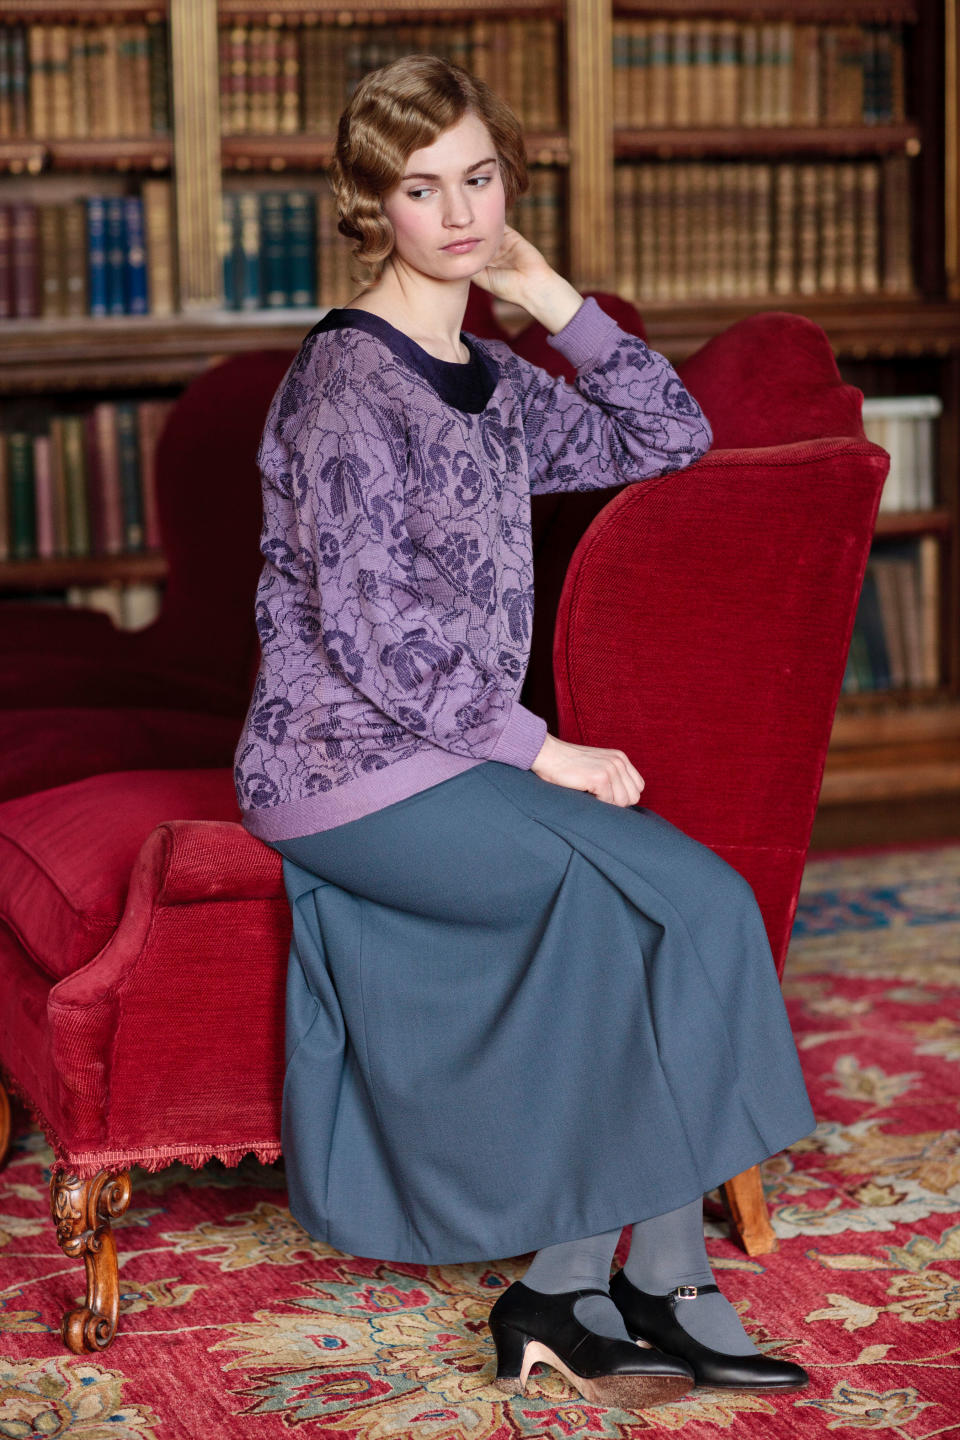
x=513 y=1365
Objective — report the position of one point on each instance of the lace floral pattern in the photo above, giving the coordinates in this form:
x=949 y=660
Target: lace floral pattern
x=395 y=604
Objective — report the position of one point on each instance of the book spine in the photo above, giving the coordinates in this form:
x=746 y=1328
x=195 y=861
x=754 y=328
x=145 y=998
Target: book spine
x=23 y=513
x=108 y=470
x=61 y=498
x=49 y=260
x=116 y=256
x=97 y=253
x=25 y=272
x=159 y=78
x=38 y=82
x=151 y=418
x=250 y=252
x=46 y=545
x=6 y=262
x=4 y=496
x=19 y=68
x=135 y=286
x=300 y=233
x=129 y=466
x=274 y=250
x=6 y=84
x=157 y=200
x=76 y=484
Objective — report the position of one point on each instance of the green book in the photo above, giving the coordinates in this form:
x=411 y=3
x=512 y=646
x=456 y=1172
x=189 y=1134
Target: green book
x=128 y=456
x=75 y=479
x=23 y=505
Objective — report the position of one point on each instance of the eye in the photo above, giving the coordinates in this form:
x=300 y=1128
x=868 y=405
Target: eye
x=421 y=191
x=484 y=179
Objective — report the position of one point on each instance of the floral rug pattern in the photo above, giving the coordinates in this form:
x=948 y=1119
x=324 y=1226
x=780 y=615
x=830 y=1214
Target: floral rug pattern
x=234 y=1323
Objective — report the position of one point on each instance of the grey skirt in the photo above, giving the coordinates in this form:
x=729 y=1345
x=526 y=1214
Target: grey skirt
x=519 y=1015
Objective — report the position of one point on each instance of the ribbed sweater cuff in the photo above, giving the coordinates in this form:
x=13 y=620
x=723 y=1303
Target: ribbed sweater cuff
x=585 y=335
x=521 y=738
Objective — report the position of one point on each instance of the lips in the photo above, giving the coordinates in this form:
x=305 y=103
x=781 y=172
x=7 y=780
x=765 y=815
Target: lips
x=461 y=244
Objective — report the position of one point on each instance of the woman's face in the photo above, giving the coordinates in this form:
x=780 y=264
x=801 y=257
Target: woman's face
x=451 y=191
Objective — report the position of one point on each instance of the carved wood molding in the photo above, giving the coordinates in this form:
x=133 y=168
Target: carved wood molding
x=590 y=199
x=195 y=83
x=82 y=1211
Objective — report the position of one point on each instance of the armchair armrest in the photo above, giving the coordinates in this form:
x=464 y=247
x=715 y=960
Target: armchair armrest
x=771 y=379
x=175 y=1029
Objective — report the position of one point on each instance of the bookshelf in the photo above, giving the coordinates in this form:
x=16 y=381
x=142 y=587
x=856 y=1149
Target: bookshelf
x=896 y=333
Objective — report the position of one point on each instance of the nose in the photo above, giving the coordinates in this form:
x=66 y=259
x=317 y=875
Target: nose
x=458 y=211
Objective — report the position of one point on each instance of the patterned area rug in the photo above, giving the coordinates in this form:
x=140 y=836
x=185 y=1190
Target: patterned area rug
x=235 y=1324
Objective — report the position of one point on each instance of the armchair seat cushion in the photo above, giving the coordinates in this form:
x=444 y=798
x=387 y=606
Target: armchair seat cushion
x=66 y=854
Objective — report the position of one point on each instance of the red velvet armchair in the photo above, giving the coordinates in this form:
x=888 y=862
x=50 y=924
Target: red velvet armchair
x=77 y=695
x=702 y=625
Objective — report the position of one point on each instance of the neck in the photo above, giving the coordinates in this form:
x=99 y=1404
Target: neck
x=429 y=311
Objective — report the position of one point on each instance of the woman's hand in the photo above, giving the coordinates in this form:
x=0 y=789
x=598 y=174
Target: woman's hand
x=519 y=274
x=608 y=774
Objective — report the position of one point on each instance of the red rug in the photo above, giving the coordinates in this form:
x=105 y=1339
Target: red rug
x=235 y=1324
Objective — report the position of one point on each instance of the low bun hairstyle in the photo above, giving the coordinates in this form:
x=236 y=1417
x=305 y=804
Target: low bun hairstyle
x=400 y=108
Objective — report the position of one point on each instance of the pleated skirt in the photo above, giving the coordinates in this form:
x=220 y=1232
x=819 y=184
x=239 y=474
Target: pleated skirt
x=518 y=1015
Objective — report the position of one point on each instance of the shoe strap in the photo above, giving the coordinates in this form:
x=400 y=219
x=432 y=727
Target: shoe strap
x=690 y=1292
x=594 y=1292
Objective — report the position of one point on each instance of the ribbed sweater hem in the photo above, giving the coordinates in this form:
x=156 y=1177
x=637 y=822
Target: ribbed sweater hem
x=518 y=744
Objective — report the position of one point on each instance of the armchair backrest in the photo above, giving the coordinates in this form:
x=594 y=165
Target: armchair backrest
x=208 y=494
x=703 y=627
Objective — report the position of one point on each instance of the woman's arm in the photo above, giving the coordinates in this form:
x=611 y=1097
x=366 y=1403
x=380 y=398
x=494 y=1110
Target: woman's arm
x=627 y=417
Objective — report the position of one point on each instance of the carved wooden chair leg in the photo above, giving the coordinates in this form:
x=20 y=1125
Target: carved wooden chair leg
x=6 y=1122
x=748 y=1211
x=82 y=1211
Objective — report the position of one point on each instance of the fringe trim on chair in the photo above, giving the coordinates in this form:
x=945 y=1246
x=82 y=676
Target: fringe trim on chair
x=154 y=1157
x=159 y=1157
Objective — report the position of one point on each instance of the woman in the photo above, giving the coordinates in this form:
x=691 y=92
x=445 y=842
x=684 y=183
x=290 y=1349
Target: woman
x=522 y=1011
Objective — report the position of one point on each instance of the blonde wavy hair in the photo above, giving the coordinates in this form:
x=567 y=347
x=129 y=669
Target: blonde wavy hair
x=395 y=110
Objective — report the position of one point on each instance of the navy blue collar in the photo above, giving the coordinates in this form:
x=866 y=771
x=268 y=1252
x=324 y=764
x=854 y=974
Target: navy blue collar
x=466 y=386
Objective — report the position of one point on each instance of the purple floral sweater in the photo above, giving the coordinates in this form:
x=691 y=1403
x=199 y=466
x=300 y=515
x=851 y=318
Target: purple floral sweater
x=395 y=602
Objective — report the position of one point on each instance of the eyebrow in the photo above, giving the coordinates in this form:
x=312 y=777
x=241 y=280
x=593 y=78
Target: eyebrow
x=419 y=175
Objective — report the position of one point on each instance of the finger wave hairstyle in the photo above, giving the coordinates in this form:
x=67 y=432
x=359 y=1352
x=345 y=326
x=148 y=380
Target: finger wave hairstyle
x=395 y=110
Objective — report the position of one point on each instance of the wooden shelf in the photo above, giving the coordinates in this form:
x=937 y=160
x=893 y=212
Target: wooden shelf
x=834 y=12
x=331 y=13
x=914 y=522
x=81 y=570
x=151 y=153
x=250 y=153
x=746 y=141
x=94 y=10
x=904 y=771
x=127 y=351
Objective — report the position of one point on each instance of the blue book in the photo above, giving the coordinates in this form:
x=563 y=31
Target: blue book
x=870 y=624
x=116 y=246
x=273 y=250
x=97 y=254
x=300 y=231
x=136 y=255
x=231 y=258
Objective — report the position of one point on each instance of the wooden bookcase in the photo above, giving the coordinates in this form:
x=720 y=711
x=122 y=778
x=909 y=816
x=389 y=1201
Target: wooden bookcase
x=902 y=748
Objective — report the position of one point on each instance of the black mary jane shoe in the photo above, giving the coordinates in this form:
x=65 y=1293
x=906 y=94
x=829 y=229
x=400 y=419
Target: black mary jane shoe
x=654 y=1318
x=529 y=1326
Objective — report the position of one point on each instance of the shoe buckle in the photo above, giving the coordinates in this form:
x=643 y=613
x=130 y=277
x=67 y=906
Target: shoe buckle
x=686 y=1292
